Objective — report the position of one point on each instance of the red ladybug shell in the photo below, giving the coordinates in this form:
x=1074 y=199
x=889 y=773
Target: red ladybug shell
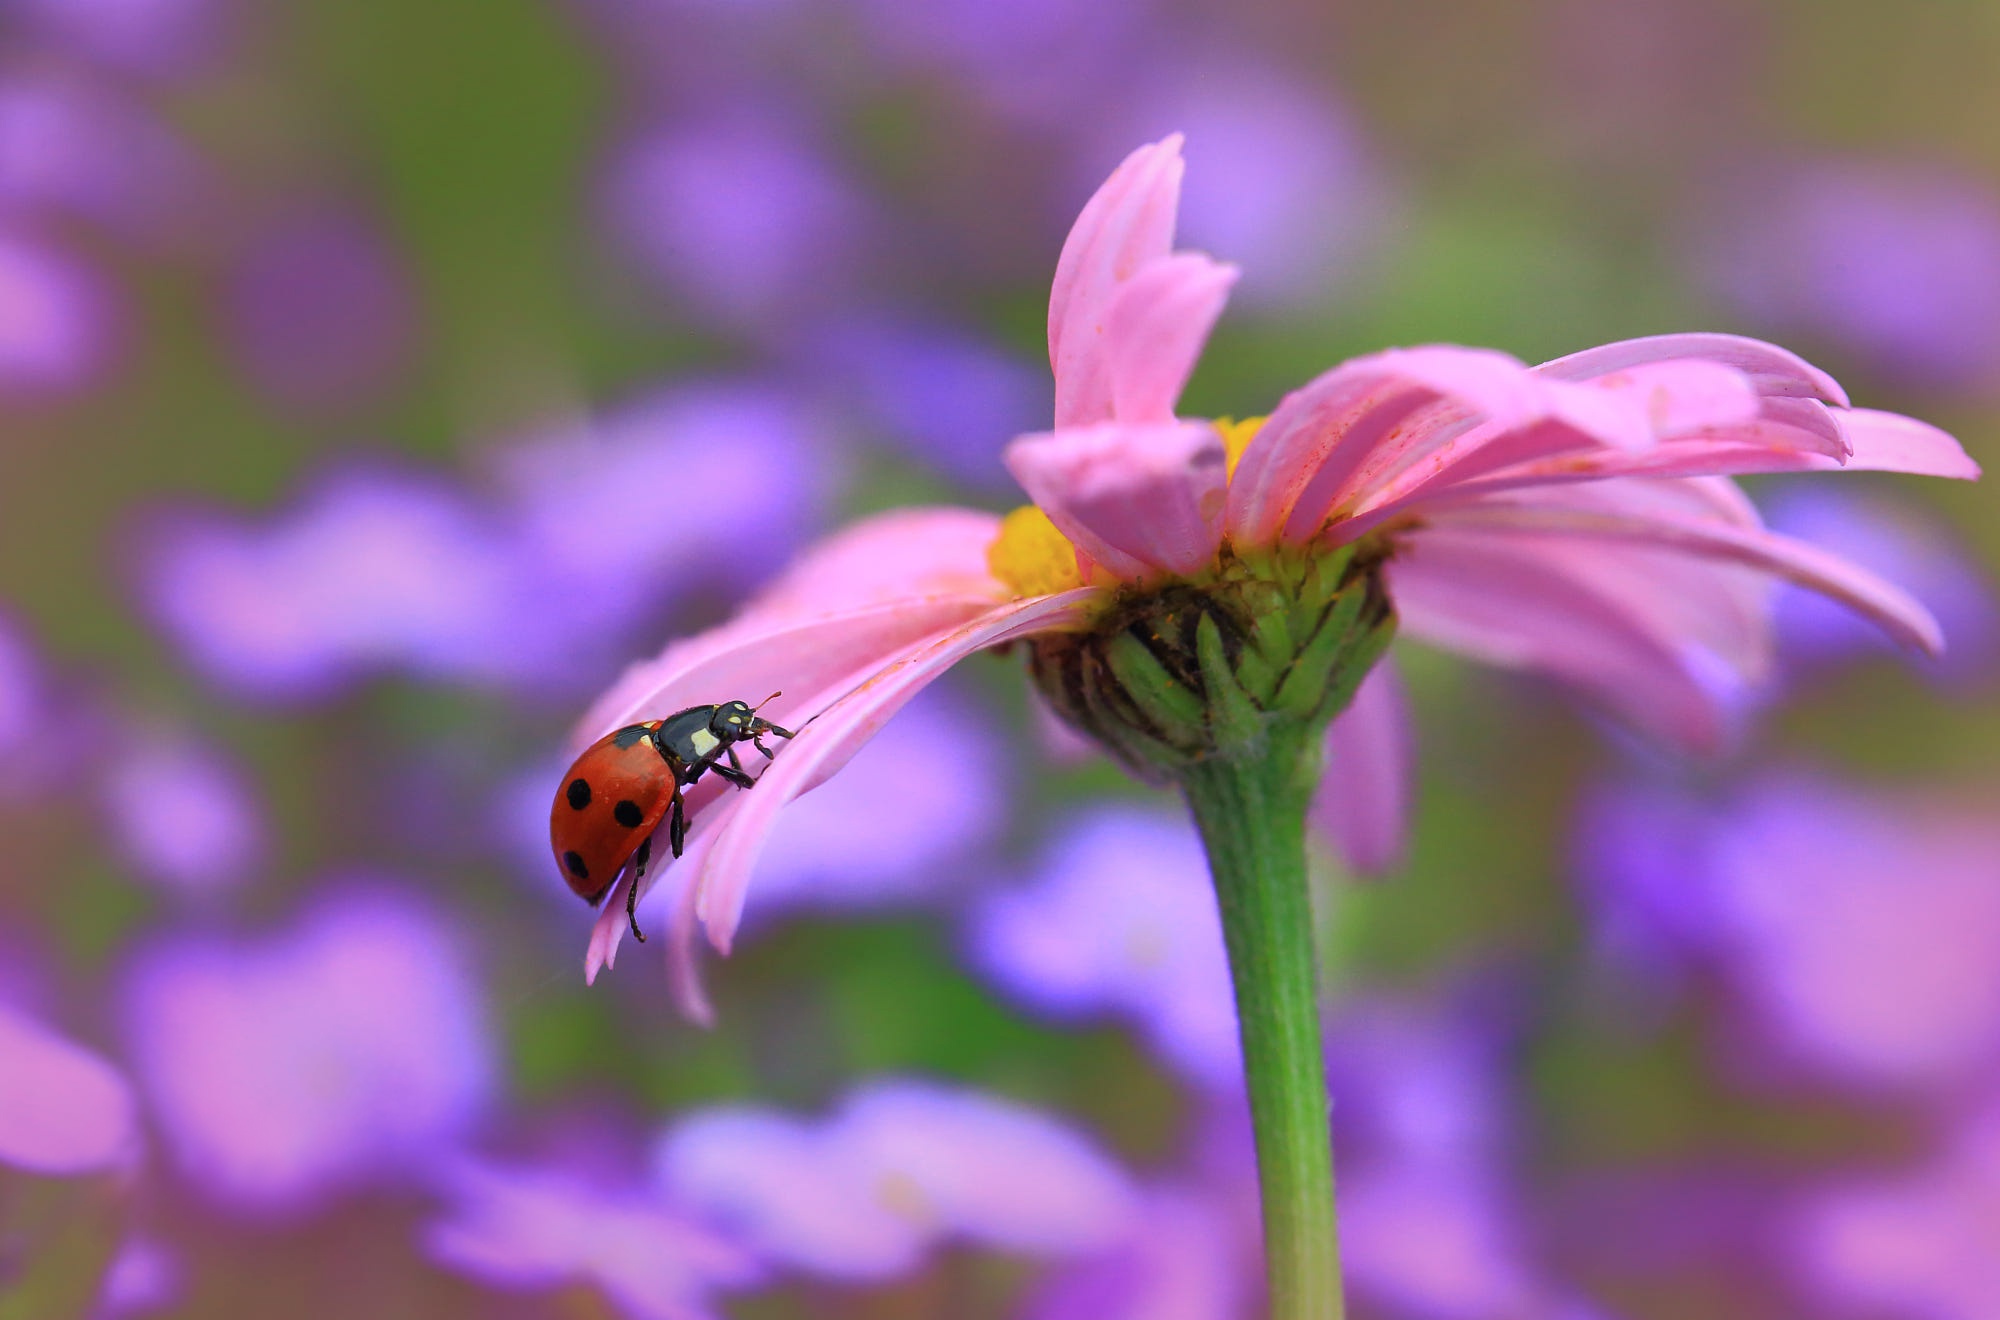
x=609 y=803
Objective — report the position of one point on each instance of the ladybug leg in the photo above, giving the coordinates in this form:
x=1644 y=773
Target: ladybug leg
x=677 y=826
x=736 y=777
x=632 y=906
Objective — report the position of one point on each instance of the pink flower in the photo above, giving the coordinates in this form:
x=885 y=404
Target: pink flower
x=1573 y=518
x=529 y=1228
x=63 y=1109
x=901 y=1167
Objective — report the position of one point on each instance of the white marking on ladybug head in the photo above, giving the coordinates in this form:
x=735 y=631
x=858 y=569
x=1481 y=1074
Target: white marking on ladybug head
x=703 y=742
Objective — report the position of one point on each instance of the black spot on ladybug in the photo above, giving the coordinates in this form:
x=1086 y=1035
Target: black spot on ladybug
x=627 y=814
x=579 y=794
x=574 y=861
x=628 y=735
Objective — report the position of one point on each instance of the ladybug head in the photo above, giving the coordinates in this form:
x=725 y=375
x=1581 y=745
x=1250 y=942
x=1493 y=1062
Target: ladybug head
x=732 y=719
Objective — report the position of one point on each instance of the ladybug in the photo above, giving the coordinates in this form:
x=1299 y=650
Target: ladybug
x=627 y=782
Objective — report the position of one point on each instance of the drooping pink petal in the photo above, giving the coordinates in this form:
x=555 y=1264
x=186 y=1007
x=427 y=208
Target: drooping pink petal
x=1127 y=223
x=1158 y=323
x=1520 y=607
x=1138 y=500
x=684 y=953
x=1895 y=610
x=760 y=653
x=1775 y=372
x=1363 y=800
x=824 y=746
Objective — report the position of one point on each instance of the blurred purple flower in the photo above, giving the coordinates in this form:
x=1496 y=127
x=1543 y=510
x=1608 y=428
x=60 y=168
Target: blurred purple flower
x=1122 y=921
x=320 y=312
x=743 y=217
x=1431 y=1220
x=370 y=570
x=63 y=1108
x=1925 y=1245
x=1861 y=931
x=182 y=814
x=941 y=393
x=69 y=146
x=22 y=690
x=902 y=1166
x=1285 y=187
x=1899 y=262
x=1189 y=1257
x=1040 y=61
x=58 y=320
x=617 y=511
x=539 y=585
x=523 y=1228
x=1431 y=1217
x=144 y=1276
x=1905 y=545
x=1435 y=1243
x=352 y=1048
x=152 y=37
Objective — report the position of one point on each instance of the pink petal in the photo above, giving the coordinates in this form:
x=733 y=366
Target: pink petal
x=63 y=1109
x=1890 y=442
x=819 y=670
x=1138 y=500
x=608 y=931
x=1126 y=224
x=1363 y=801
x=1774 y=371
x=1895 y=610
x=892 y=556
x=823 y=747
x=1629 y=413
x=683 y=972
x=1870 y=442
x=1158 y=323
x=1332 y=434
x=769 y=651
x=684 y=954
x=1517 y=606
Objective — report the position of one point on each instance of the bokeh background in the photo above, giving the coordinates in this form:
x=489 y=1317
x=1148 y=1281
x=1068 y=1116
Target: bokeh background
x=379 y=377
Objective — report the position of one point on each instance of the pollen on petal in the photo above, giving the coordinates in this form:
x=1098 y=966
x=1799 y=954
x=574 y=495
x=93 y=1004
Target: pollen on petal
x=1236 y=436
x=1031 y=556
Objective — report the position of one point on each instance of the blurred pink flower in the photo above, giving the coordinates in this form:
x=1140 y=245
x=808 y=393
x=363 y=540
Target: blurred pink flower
x=1121 y=920
x=1922 y=1244
x=349 y=1050
x=901 y=1167
x=63 y=1109
x=1859 y=930
x=1192 y=1256
x=59 y=320
x=527 y=1228
x=182 y=814
x=1484 y=482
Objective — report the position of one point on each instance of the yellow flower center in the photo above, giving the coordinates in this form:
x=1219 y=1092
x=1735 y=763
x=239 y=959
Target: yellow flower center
x=1031 y=556
x=1236 y=436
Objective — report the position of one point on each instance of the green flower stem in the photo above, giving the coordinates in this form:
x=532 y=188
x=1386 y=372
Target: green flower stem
x=1252 y=810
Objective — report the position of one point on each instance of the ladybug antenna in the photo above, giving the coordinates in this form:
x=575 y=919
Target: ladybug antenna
x=765 y=702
